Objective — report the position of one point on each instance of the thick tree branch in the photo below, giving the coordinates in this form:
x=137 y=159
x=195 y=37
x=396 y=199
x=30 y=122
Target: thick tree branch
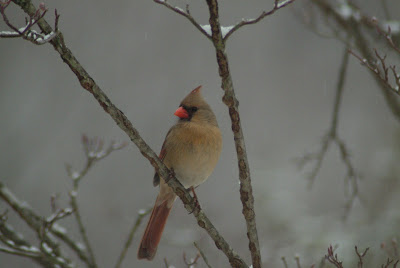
x=122 y=121
x=229 y=98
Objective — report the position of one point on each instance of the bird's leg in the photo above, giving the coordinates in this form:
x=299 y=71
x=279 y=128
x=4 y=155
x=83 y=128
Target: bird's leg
x=196 y=201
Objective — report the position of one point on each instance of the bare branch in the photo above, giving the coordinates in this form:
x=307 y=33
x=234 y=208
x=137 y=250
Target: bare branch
x=230 y=100
x=184 y=14
x=389 y=262
x=284 y=262
x=94 y=151
x=26 y=32
x=393 y=250
x=352 y=177
x=361 y=257
x=332 y=258
x=36 y=223
x=277 y=5
x=48 y=254
x=387 y=35
x=202 y=255
x=382 y=73
x=141 y=214
x=192 y=261
x=297 y=259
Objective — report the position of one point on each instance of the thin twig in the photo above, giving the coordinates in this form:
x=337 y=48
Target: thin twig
x=297 y=259
x=333 y=258
x=352 y=27
x=82 y=231
x=94 y=152
x=388 y=37
x=382 y=73
x=192 y=262
x=141 y=214
x=277 y=5
x=166 y=263
x=184 y=14
x=284 y=262
x=19 y=253
x=202 y=255
x=34 y=221
x=26 y=32
x=389 y=262
x=361 y=257
x=332 y=136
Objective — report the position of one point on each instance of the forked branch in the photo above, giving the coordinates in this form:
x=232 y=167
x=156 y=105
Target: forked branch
x=381 y=71
x=277 y=5
x=26 y=32
x=352 y=177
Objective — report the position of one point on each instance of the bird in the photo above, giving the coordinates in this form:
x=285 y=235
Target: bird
x=191 y=149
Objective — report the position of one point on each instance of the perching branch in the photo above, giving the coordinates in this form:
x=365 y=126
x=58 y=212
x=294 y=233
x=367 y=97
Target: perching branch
x=219 y=40
x=122 y=121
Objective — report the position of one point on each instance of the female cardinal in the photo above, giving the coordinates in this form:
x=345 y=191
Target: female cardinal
x=191 y=148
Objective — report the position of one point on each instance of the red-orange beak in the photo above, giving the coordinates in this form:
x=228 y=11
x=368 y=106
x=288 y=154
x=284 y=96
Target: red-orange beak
x=181 y=113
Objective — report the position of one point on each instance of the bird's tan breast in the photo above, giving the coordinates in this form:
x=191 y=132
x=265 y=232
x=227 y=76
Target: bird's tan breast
x=193 y=151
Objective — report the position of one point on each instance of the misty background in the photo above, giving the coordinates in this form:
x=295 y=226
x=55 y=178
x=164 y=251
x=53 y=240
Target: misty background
x=147 y=58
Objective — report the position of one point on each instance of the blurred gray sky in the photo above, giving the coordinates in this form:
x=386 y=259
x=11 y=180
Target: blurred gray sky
x=146 y=58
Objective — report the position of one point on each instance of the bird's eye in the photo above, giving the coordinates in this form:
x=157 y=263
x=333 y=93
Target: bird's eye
x=193 y=109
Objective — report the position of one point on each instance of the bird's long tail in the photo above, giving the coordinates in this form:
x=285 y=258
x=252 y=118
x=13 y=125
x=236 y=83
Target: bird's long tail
x=155 y=226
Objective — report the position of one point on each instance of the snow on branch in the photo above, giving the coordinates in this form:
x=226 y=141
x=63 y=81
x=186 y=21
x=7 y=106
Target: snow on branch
x=381 y=70
x=26 y=32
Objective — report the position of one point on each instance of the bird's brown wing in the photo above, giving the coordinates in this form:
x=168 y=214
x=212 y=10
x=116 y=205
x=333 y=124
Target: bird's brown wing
x=163 y=153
